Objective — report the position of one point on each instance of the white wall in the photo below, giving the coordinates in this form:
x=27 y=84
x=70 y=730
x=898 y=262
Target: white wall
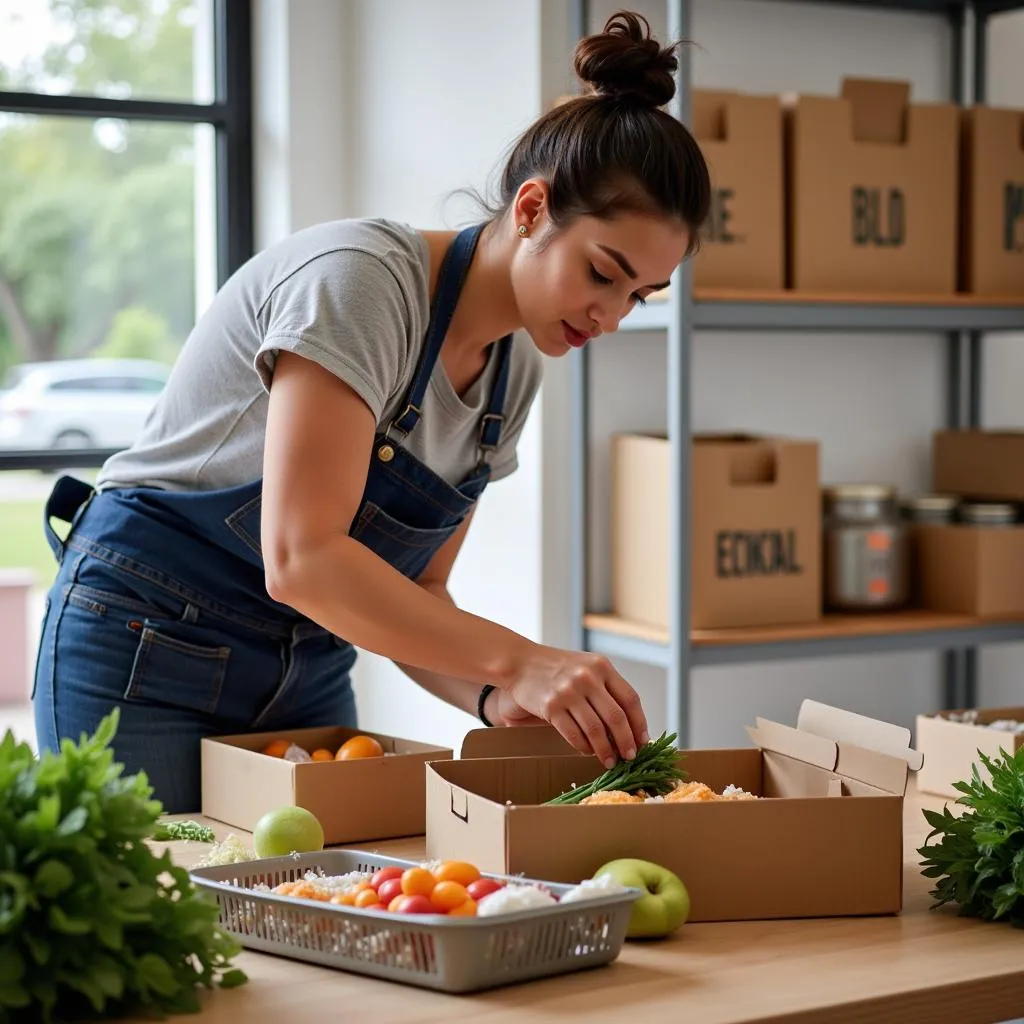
x=371 y=108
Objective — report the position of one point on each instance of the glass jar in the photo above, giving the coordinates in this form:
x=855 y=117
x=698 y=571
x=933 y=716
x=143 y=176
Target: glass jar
x=930 y=509
x=865 y=548
x=988 y=513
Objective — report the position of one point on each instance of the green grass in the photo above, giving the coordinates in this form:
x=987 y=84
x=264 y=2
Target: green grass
x=22 y=542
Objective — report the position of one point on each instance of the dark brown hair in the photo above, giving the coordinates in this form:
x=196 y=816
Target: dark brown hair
x=612 y=149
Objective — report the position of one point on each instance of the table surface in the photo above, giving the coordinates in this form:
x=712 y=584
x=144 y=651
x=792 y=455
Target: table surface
x=921 y=965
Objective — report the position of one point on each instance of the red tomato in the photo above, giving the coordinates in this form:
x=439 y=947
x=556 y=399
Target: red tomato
x=382 y=875
x=415 y=905
x=389 y=890
x=483 y=887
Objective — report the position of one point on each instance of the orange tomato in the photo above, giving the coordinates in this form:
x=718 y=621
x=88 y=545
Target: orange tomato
x=359 y=747
x=366 y=898
x=448 y=895
x=417 y=882
x=393 y=905
x=343 y=899
x=467 y=909
x=456 y=871
x=276 y=748
x=323 y=754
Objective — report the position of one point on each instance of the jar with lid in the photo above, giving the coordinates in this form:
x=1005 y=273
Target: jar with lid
x=988 y=513
x=866 y=558
x=930 y=509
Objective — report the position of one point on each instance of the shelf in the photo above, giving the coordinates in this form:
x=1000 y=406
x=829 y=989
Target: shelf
x=735 y=309
x=911 y=630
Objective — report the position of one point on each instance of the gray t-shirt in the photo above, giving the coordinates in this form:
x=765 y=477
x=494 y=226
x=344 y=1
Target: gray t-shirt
x=352 y=295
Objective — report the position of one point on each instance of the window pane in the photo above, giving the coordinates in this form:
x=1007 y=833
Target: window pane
x=138 y=49
x=107 y=251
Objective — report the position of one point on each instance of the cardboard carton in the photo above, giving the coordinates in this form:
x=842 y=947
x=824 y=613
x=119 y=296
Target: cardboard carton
x=741 y=139
x=992 y=191
x=950 y=749
x=975 y=570
x=985 y=465
x=371 y=798
x=756 y=530
x=872 y=187
x=826 y=839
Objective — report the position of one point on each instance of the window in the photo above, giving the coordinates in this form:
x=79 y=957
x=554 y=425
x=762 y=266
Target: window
x=125 y=186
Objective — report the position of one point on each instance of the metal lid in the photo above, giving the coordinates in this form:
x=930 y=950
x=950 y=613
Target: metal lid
x=860 y=492
x=932 y=502
x=988 y=512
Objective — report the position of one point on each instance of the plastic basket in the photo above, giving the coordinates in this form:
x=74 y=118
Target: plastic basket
x=428 y=950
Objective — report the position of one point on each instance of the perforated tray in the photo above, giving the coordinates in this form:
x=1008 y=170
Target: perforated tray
x=429 y=950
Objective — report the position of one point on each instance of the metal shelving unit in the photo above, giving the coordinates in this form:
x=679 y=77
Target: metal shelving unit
x=961 y=319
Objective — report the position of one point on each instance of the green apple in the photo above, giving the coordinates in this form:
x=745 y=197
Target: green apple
x=666 y=905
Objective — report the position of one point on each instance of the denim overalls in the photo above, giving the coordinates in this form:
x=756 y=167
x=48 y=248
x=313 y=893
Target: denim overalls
x=160 y=604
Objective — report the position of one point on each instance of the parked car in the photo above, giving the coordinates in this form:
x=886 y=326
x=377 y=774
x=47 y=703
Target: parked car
x=78 y=403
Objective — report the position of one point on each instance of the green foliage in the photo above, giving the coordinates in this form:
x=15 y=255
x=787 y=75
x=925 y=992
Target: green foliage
x=137 y=333
x=979 y=860
x=92 y=922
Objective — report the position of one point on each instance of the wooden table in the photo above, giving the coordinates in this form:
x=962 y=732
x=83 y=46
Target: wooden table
x=922 y=965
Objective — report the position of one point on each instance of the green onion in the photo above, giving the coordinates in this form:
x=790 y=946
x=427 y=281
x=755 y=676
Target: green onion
x=170 y=830
x=654 y=770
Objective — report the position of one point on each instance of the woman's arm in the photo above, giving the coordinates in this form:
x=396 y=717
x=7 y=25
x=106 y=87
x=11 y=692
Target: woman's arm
x=319 y=442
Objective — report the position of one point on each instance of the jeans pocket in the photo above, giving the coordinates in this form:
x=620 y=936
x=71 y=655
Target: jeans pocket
x=177 y=664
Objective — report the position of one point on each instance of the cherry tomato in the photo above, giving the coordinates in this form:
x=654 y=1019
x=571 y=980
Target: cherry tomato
x=417 y=904
x=384 y=875
x=467 y=909
x=448 y=895
x=483 y=887
x=456 y=871
x=418 y=882
x=366 y=898
x=389 y=890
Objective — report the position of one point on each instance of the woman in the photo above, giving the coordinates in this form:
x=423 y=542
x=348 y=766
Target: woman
x=309 y=474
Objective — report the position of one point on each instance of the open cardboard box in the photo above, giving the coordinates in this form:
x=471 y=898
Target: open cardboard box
x=826 y=841
x=950 y=749
x=370 y=798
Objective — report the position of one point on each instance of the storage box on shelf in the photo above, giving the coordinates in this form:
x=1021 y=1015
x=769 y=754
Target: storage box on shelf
x=240 y=783
x=872 y=182
x=830 y=810
x=992 y=209
x=950 y=742
x=741 y=139
x=982 y=464
x=756 y=530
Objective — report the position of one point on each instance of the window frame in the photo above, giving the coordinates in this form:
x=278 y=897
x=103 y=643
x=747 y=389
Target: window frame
x=230 y=116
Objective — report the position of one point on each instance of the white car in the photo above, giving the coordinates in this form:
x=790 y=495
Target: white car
x=78 y=403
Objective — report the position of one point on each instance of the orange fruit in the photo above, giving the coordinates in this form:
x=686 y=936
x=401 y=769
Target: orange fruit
x=323 y=754
x=359 y=747
x=276 y=748
x=467 y=909
x=393 y=905
x=343 y=899
x=456 y=871
x=366 y=898
x=448 y=895
x=417 y=882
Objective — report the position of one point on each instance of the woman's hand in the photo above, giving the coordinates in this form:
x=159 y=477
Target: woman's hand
x=500 y=708
x=584 y=698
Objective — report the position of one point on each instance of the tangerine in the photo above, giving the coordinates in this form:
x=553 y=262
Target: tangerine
x=359 y=747
x=276 y=748
x=323 y=754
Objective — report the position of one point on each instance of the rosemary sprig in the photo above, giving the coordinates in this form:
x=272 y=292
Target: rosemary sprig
x=653 y=770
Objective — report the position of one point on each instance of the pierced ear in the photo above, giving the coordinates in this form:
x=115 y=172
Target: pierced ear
x=530 y=204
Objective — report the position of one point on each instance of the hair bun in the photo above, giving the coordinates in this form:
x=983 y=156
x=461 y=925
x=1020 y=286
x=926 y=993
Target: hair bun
x=624 y=61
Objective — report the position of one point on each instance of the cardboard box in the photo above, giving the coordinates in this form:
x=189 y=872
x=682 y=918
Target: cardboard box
x=984 y=465
x=872 y=187
x=976 y=570
x=741 y=139
x=240 y=784
x=992 y=192
x=950 y=749
x=826 y=841
x=756 y=530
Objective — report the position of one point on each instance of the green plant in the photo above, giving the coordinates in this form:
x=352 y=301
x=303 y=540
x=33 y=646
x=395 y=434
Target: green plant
x=92 y=922
x=653 y=770
x=979 y=861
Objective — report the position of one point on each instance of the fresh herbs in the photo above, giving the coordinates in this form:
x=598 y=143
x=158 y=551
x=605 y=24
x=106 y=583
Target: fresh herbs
x=979 y=861
x=92 y=922
x=168 y=831
x=653 y=770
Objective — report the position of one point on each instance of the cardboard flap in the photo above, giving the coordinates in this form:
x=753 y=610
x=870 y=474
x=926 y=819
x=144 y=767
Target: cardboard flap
x=847 y=727
x=520 y=741
x=878 y=109
x=784 y=739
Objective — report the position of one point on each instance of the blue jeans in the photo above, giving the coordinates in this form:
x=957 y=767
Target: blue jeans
x=113 y=637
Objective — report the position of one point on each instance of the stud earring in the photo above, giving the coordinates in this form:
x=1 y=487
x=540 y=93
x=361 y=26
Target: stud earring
x=522 y=230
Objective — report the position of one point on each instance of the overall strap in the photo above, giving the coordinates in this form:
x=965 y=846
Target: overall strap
x=494 y=418
x=451 y=278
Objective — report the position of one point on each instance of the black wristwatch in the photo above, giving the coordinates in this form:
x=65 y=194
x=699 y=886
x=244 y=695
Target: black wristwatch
x=485 y=692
